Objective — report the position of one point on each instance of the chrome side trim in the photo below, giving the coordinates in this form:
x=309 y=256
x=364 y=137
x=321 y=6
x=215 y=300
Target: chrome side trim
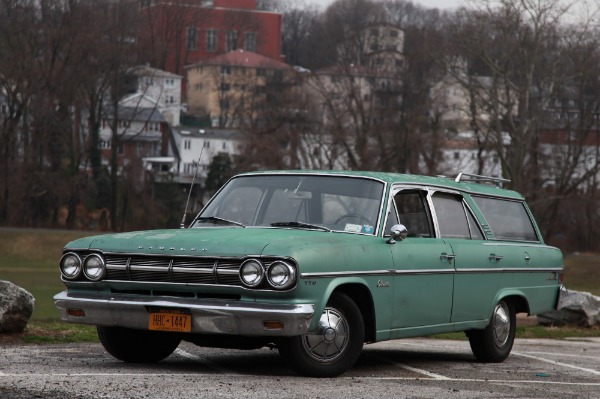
x=208 y=316
x=348 y=274
x=510 y=270
x=527 y=244
x=430 y=271
x=424 y=271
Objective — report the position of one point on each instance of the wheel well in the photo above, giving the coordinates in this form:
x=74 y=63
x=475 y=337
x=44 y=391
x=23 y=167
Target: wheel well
x=362 y=297
x=519 y=303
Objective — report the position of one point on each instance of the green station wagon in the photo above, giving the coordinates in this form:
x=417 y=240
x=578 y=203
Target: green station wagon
x=317 y=264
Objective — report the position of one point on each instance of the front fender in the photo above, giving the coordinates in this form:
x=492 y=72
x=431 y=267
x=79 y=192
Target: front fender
x=380 y=295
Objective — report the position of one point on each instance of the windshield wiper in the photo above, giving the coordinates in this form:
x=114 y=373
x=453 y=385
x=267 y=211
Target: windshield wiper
x=216 y=219
x=300 y=225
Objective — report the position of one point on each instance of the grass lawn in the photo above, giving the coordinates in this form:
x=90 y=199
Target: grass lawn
x=582 y=272
x=29 y=258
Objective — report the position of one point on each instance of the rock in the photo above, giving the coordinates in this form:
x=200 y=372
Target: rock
x=576 y=308
x=16 y=307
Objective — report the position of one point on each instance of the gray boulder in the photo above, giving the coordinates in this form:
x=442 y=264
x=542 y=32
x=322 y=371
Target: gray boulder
x=576 y=308
x=16 y=307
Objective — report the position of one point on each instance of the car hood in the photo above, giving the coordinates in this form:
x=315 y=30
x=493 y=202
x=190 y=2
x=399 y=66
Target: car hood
x=216 y=241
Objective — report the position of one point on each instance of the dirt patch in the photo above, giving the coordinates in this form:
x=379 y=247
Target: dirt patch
x=11 y=339
x=526 y=321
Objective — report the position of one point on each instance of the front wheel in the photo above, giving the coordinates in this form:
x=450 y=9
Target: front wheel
x=494 y=343
x=137 y=346
x=334 y=347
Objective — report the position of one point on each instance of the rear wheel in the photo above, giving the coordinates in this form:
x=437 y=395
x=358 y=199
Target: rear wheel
x=137 y=346
x=334 y=347
x=494 y=343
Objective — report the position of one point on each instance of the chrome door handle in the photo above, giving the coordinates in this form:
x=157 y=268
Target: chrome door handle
x=495 y=257
x=447 y=257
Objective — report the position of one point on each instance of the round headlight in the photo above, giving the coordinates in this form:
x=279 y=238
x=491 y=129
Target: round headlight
x=252 y=273
x=70 y=266
x=94 y=267
x=281 y=275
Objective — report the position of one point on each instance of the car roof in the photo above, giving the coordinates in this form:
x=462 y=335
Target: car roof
x=401 y=178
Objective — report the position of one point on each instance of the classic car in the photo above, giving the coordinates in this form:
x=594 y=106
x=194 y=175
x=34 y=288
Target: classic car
x=317 y=264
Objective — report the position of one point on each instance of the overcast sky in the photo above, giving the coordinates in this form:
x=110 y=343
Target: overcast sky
x=426 y=3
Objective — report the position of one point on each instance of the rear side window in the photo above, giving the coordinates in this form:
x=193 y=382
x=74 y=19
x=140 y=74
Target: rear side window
x=508 y=220
x=451 y=216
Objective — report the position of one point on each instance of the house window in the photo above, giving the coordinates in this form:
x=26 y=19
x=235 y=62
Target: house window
x=104 y=144
x=187 y=144
x=261 y=72
x=192 y=38
x=211 y=40
x=188 y=168
x=206 y=144
x=250 y=41
x=226 y=70
x=225 y=86
x=231 y=41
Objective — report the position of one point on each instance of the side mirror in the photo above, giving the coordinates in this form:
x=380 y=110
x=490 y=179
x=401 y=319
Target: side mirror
x=399 y=232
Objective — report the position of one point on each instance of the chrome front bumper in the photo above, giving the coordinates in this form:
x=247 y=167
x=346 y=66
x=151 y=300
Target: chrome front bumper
x=208 y=316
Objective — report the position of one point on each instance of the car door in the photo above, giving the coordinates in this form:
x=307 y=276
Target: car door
x=478 y=274
x=423 y=278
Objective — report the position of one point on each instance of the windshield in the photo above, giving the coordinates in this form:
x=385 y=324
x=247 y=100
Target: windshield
x=297 y=201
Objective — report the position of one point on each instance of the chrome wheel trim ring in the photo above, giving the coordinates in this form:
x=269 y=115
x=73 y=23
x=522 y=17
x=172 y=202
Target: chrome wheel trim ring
x=501 y=324
x=331 y=338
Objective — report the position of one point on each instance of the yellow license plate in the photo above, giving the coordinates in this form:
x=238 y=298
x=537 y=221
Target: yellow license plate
x=170 y=320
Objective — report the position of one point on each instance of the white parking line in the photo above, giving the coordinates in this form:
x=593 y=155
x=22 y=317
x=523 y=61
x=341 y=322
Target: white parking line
x=572 y=366
x=409 y=368
x=477 y=380
x=421 y=371
x=563 y=355
x=235 y=375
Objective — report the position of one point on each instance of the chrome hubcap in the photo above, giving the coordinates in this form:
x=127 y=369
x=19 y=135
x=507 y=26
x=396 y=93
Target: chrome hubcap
x=501 y=324
x=331 y=338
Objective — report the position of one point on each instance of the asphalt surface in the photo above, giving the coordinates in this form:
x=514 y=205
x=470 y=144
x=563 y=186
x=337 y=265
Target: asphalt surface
x=411 y=368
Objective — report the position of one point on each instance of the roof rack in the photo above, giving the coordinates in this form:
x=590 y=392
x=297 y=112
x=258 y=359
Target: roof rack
x=477 y=178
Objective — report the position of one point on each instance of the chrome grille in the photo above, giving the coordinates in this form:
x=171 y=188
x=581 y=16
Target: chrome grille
x=186 y=270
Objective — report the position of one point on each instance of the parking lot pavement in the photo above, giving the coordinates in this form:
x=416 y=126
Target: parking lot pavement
x=411 y=368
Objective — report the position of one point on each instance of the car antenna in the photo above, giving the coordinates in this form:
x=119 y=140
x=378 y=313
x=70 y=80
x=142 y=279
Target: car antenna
x=182 y=226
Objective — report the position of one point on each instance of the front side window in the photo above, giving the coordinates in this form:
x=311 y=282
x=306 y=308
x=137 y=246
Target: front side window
x=337 y=203
x=508 y=220
x=410 y=209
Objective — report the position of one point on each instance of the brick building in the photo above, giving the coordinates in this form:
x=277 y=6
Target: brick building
x=177 y=33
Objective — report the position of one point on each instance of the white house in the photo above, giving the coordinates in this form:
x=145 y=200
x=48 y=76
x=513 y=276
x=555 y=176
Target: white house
x=198 y=146
x=164 y=87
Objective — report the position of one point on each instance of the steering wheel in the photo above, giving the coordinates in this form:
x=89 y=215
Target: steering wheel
x=351 y=215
